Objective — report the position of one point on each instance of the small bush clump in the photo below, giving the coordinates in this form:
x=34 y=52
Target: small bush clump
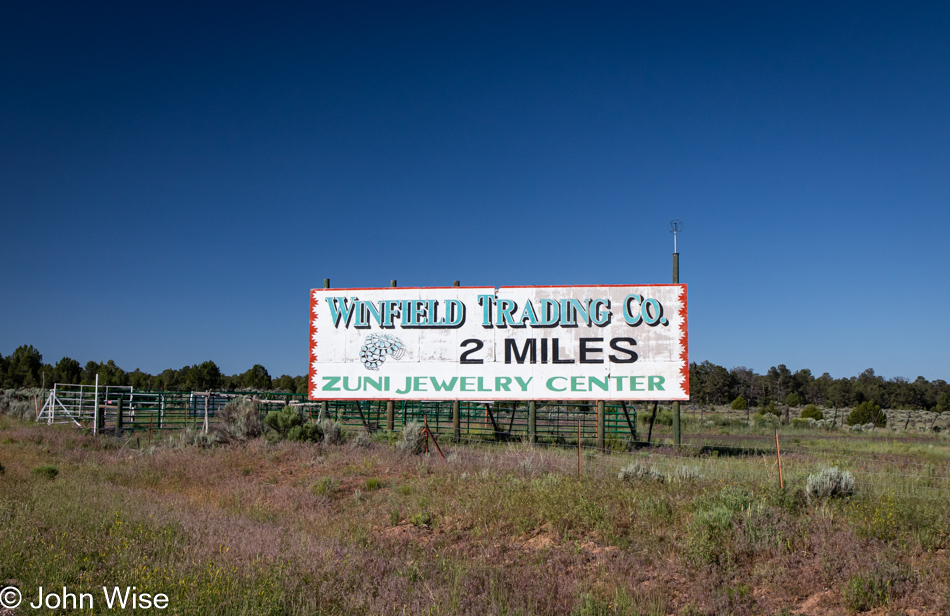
x=327 y=486
x=830 y=483
x=733 y=498
x=423 y=518
x=812 y=412
x=865 y=413
x=767 y=420
x=289 y=424
x=710 y=530
x=47 y=471
x=284 y=420
x=769 y=409
x=740 y=404
x=872 y=589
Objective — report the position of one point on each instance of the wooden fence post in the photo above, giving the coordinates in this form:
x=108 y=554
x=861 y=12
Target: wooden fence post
x=533 y=421
x=601 y=426
x=118 y=416
x=578 y=448
x=778 y=454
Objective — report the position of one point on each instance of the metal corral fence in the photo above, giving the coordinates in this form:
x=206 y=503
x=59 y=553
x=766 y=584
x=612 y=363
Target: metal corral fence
x=555 y=423
x=133 y=409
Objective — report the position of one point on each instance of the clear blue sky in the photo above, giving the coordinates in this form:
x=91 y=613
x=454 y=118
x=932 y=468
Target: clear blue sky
x=174 y=178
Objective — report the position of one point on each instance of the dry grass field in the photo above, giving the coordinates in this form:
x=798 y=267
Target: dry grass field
x=363 y=528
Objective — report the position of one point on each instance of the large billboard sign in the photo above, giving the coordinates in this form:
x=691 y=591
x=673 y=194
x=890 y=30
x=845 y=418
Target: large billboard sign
x=511 y=343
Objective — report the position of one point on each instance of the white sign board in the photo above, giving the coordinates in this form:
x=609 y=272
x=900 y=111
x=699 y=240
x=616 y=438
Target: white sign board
x=513 y=343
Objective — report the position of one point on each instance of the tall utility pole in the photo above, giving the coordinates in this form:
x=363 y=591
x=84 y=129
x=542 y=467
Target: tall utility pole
x=456 y=410
x=676 y=226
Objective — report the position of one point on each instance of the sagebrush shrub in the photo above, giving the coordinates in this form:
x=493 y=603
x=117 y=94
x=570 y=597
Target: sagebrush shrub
x=332 y=432
x=19 y=403
x=362 y=440
x=195 y=437
x=688 y=473
x=632 y=471
x=830 y=483
x=240 y=420
x=412 y=440
x=636 y=470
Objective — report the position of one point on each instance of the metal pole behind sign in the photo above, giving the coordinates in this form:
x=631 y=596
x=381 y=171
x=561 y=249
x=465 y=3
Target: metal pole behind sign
x=677 y=435
x=390 y=404
x=456 y=409
x=675 y=227
x=325 y=405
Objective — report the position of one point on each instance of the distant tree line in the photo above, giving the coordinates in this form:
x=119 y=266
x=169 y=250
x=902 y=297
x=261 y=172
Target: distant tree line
x=25 y=368
x=713 y=384
x=708 y=383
